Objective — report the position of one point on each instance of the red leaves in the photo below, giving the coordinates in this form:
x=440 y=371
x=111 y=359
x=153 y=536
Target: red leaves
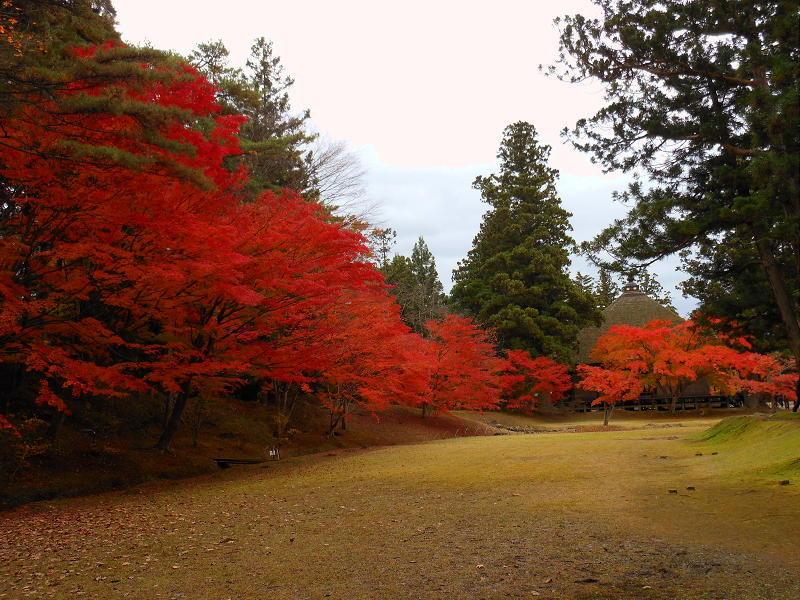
x=613 y=386
x=6 y=424
x=102 y=242
x=129 y=264
x=460 y=367
x=666 y=358
x=658 y=356
x=767 y=375
x=47 y=397
x=527 y=381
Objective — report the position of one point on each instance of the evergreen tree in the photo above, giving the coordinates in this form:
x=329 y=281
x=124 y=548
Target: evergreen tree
x=416 y=286
x=585 y=282
x=649 y=285
x=398 y=274
x=273 y=138
x=233 y=89
x=34 y=56
x=381 y=240
x=45 y=68
x=275 y=135
x=279 y=151
x=735 y=295
x=430 y=298
x=515 y=277
x=606 y=290
x=702 y=97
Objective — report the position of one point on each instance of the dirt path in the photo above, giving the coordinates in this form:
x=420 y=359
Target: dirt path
x=558 y=516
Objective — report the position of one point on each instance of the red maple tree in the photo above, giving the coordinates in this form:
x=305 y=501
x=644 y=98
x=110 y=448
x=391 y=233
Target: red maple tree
x=132 y=263
x=666 y=358
x=526 y=382
x=461 y=367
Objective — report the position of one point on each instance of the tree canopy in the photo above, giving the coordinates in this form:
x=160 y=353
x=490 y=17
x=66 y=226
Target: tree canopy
x=416 y=286
x=702 y=97
x=272 y=137
x=142 y=257
x=515 y=277
x=665 y=358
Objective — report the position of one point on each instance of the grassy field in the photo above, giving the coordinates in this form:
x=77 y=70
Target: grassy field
x=556 y=515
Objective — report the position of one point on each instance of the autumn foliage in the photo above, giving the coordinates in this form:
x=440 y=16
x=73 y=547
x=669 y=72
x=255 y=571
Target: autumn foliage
x=132 y=264
x=665 y=358
x=526 y=381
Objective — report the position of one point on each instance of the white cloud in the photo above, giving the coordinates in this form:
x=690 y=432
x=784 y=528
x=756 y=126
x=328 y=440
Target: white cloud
x=423 y=88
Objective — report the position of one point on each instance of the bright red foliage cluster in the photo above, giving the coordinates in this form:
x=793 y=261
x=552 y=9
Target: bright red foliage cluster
x=527 y=381
x=130 y=263
x=666 y=357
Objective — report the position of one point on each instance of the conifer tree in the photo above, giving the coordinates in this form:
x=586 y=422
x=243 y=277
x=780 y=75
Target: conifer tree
x=381 y=240
x=416 y=286
x=515 y=277
x=649 y=285
x=585 y=282
x=606 y=289
x=44 y=71
x=273 y=139
x=734 y=293
x=429 y=297
x=702 y=97
x=399 y=276
x=274 y=135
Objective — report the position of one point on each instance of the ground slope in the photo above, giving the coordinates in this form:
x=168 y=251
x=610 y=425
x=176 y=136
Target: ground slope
x=557 y=515
x=122 y=454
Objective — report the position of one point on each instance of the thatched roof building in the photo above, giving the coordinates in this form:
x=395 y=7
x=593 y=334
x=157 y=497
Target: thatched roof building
x=633 y=307
x=636 y=308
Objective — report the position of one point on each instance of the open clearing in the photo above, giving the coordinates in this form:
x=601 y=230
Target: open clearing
x=553 y=515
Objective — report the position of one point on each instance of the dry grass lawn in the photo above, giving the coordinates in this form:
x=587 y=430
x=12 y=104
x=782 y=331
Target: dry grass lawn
x=556 y=515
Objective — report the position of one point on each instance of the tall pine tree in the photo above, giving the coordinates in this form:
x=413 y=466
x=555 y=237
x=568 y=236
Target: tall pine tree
x=273 y=138
x=606 y=290
x=430 y=298
x=416 y=286
x=515 y=277
x=702 y=97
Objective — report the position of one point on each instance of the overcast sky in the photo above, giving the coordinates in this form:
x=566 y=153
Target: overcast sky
x=421 y=91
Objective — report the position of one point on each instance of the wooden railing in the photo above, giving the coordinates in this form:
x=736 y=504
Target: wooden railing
x=661 y=403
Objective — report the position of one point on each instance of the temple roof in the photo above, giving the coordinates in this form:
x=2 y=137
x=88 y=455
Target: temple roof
x=633 y=308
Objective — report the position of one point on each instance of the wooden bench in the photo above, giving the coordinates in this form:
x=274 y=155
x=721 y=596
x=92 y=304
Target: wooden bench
x=224 y=463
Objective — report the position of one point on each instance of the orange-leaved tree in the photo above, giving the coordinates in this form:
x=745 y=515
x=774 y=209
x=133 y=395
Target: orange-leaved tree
x=613 y=386
x=766 y=375
x=662 y=357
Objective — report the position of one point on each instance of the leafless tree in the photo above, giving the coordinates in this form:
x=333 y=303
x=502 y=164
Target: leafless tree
x=338 y=177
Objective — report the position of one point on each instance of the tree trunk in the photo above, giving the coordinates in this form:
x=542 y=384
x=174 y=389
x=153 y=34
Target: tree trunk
x=331 y=425
x=607 y=414
x=173 y=421
x=168 y=404
x=797 y=391
x=673 y=405
x=424 y=407
x=56 y=422
x=782 y=299
x=197 y=417
x=333 y=422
